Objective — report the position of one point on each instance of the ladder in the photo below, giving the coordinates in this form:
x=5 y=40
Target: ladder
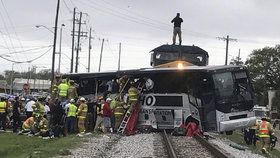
x=124 y=122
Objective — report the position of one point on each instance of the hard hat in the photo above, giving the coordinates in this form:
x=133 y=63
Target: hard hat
x=71 y=81
x=82 y=99
x=108 y=99
x=72 y=100
x=22 y=99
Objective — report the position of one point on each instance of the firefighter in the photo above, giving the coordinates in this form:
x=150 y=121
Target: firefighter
x=133 y=94
x=27 y=124
x=3 y=113
x=72 y=90
x=252 y=131
x=38 y=107
x=43 y=127
x=82 y=114
x=62 y=90
x=122 y=82
x=264 y=130
x=119 y=113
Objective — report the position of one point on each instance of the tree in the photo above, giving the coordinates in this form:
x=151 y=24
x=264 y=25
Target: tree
x=264 y=68
x=2 y=77
x=236 y=61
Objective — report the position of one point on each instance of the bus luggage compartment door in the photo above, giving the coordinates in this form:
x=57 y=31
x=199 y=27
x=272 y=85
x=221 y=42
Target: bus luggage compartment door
x=164 y=119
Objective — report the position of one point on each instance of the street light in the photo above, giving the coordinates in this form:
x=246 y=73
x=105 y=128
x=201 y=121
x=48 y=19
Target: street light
x=62 y=25
x=59 y=61
x=38 y=26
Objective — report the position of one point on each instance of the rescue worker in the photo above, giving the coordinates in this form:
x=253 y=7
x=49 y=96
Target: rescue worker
x=252 y=136
x=119 y=113
x=133 y=94
x=16 y=114
x=107 y=114
x=54 y=92
x=99 y=114
x=43 y=127
x=3 y=113
x=72 y=90
x=38 y=107
x=27 y=124
x=82 y=114
x=62 y=90
x=71 y=116
x=264 y=130
x=122 y=82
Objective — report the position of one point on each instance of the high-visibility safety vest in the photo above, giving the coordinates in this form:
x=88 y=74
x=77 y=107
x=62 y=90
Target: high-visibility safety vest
x=82 y=111
x=27 y=123
x=63 y=88
x=119 y=111
x=38 y=108
x=3 y=107
x=133 y=94
x=72 y=109
x=264 y=129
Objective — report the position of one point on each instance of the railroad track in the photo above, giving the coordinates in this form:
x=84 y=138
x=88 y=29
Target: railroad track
x=182 y=146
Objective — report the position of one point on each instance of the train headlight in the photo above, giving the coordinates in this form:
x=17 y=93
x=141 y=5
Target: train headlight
x=180 y=66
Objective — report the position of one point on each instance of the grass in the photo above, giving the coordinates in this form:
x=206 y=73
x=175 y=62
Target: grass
x=19 y=146
x=238 y=139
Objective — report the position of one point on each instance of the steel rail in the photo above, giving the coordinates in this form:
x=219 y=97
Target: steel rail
x=214 y=150
x=170 y=149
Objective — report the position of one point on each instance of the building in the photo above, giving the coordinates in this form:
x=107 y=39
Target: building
x=35 y=85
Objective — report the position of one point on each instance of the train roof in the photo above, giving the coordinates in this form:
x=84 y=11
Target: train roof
x=155 y=70
x=180 y=48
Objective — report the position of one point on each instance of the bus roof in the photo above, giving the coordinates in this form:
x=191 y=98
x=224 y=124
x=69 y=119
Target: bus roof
x=155 y=70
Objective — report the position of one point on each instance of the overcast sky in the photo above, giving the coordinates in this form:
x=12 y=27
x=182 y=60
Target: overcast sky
x=140 y=25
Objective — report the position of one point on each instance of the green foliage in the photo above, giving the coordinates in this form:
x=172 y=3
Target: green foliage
x=236 y=61
x=2 y=77
x=264 y=68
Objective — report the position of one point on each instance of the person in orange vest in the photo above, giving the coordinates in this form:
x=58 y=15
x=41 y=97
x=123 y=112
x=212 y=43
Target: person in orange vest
x=62 y=90
x=3 y=113
x=82 y=114
x=264 y=130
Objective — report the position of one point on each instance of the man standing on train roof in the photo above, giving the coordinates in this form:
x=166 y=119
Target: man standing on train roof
x=177 y=28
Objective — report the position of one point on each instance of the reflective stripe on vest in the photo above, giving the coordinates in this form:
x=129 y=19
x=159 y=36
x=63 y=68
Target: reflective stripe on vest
x=119 y=110
x=63 y=87
x=3 y=107
x=133 y=93
x=72 y=110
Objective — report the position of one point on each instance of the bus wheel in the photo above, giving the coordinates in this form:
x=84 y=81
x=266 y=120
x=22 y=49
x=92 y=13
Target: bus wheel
x=229 y=132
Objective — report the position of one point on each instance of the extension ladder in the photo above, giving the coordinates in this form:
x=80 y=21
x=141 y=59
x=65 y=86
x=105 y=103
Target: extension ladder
x=124 y=122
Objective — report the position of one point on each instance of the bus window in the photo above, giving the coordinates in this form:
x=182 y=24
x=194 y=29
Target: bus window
x=223 y=84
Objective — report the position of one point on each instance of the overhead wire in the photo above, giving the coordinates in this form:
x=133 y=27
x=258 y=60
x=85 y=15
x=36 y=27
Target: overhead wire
x=28 y=61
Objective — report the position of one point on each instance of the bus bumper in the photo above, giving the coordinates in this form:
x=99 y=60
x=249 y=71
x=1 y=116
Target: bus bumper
x=237 y=124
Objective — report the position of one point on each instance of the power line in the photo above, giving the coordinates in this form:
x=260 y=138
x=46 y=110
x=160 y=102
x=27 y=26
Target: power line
x=27 y=50
x=28 y=61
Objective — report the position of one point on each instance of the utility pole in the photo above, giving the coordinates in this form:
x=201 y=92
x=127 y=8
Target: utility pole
x=101 y=55
x=119 y=63
x=89 y=48
x=227 y=39
x=54 y=42
x=73 y=41
x=78 y=44
x=238 y=58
